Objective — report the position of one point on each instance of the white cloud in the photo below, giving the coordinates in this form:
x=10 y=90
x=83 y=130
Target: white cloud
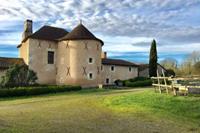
x=123 y=25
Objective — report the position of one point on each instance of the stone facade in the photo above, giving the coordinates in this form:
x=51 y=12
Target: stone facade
x=24 y=51
x=73 y=66
x=38 y=60
x=77 y=58
x=71 y=61
x=110 y=75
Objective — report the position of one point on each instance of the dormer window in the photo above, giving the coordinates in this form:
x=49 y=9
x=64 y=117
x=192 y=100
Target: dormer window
x=50 y=57
x=112 y=68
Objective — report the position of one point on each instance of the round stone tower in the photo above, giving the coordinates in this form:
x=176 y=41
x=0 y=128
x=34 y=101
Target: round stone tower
x=79 y=58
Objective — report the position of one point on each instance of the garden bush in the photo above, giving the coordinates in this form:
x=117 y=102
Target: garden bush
x=170 y=72
x=18 y=75
x=118 y=82
x=139 y=79
x=36 y=90
x=138 y=83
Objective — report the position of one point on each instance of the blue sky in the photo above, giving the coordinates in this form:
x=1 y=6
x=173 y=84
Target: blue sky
x=127 y=27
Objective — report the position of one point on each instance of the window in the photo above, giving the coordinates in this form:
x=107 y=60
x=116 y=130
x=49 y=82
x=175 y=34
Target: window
x=50 y=57
x=90 y=60
x=112 y=68
x=90 y=76
x=107 y=81
x=130 y=69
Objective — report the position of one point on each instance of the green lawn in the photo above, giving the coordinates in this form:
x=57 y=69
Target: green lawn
x=101 y=111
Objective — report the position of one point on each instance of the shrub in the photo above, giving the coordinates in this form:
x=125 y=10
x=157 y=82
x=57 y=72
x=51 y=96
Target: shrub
x=170 y=72
x=118 y=82
x=18 y=75
x=134 y=80
x=138 y=83
x=36 y=90
x=139 y=79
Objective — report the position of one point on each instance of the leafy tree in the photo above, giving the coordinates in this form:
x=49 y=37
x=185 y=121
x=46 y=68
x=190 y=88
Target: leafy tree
x=18 y=75
x=153 y=60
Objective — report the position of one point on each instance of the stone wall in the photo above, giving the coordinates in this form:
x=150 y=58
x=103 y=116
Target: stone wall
x=38 y=60
x=120 y=72
x=24 y=51
x=73 y=62
x=144 y=73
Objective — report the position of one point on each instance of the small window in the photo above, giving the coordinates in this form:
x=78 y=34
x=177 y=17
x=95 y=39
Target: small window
x=130 y=69
x=90 y=60
x=112 y=68
x=50 y=57
x=107 y=81
x=90 y=76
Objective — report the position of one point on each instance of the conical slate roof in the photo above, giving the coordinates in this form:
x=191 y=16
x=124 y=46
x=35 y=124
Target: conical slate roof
x=80 y=33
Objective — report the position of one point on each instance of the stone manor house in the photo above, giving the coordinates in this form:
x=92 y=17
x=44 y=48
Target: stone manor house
x=71 y=58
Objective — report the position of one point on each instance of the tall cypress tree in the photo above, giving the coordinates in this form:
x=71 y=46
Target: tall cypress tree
x=153 y=58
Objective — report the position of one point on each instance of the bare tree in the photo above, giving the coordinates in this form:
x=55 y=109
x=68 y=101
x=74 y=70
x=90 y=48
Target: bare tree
x=194 y=57
x=169 y=63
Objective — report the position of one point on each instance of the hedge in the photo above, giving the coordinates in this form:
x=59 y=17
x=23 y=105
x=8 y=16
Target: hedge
x=138 y=83
x=139 y=79
x=37 y=90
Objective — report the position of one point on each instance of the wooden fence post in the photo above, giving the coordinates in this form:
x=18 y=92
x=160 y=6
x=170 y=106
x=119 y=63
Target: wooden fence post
x=166 y=87
x=159 y=82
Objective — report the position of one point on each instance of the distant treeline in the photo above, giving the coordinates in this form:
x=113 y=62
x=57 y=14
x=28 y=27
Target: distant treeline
x=190 y=66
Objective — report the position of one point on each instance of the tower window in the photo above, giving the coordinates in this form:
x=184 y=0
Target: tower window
x=50 y=57
x=130 y=69
x=107 y=81
x=90 y=60
x=90 y=76
x=112 y=68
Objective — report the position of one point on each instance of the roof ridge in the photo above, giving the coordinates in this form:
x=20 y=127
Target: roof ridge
x=53 y=27
x=120 y=62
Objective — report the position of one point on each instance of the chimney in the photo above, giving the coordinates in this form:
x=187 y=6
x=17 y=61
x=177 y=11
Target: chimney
x=27 y=29
x=104 y=55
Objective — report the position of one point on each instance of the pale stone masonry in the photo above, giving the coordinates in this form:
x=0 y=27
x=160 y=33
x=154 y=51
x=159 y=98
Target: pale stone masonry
x=73 y=58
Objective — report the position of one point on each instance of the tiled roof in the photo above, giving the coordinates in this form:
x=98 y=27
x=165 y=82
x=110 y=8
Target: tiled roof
x=6 y=62
x=80 y=33
x=143 y=67
x=117 y=62
x=47 y=33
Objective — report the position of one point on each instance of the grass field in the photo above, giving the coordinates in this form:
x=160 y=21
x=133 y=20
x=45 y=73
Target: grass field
x=101 y=111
